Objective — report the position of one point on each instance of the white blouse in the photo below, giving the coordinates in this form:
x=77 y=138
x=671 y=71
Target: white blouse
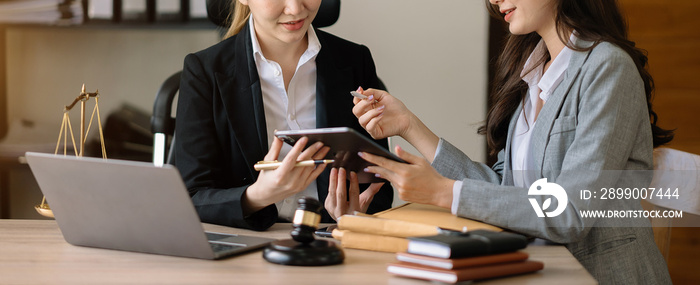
x=291 y=109
x=541 y=86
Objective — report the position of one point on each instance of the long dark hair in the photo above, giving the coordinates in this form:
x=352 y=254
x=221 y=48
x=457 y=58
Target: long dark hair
x=593 y=20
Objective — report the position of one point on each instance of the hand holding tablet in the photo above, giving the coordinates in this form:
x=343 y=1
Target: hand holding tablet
x=344 y=144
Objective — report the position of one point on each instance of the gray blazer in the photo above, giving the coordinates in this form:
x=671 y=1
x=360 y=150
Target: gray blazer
x=595 y=121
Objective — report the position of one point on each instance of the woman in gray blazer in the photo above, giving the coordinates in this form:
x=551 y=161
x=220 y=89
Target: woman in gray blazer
x=571 y=111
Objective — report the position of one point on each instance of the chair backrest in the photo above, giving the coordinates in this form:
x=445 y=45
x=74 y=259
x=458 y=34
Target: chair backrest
x=674 y=168
x=678 y=169
x=162 y=121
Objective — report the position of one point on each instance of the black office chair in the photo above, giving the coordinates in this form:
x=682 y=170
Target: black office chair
x=162 y=121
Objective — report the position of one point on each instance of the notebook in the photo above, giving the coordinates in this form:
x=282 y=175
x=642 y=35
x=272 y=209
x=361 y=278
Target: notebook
x=129 y=206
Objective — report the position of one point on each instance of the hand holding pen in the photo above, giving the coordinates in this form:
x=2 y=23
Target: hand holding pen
x=287 y=179
x=361 y=96
x=358 y=95
x=381 y=114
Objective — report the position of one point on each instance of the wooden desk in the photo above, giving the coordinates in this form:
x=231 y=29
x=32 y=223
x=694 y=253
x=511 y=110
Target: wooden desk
x=34 y=252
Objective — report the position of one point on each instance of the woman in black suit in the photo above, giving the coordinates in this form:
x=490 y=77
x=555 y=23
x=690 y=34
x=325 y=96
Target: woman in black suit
x=272 y=71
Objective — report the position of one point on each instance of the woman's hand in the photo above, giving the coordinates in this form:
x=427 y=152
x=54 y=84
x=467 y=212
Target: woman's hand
x=381 y=114
x=337 y=203
x=286 y=180
x=415 y=181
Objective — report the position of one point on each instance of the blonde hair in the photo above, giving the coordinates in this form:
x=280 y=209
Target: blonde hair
x=238 y=18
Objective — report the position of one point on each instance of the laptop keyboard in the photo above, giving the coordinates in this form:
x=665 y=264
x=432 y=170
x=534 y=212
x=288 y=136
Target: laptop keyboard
x=228 y=244
x=216 y=236
x=221 y=248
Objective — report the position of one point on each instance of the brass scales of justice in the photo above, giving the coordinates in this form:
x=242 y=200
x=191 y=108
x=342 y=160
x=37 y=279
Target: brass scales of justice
x=66 y=129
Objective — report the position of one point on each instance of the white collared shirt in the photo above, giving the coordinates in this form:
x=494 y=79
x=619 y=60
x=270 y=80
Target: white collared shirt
x=291 y=109
x=540 y=86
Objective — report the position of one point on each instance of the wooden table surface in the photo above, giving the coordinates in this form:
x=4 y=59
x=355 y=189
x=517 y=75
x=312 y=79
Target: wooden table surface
x=34 y=252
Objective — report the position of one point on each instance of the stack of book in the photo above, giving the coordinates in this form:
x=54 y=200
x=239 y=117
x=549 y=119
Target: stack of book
x=389 y=231
x=457 y=257
x=53 y=12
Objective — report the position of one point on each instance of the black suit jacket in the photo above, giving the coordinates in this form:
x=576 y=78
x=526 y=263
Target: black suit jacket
x=221 y=130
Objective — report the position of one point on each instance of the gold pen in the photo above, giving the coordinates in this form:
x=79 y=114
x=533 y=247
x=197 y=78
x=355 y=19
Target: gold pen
x=269 y=165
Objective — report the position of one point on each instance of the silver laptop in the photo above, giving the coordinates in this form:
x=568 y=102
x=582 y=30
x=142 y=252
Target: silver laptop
x=128 y=205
